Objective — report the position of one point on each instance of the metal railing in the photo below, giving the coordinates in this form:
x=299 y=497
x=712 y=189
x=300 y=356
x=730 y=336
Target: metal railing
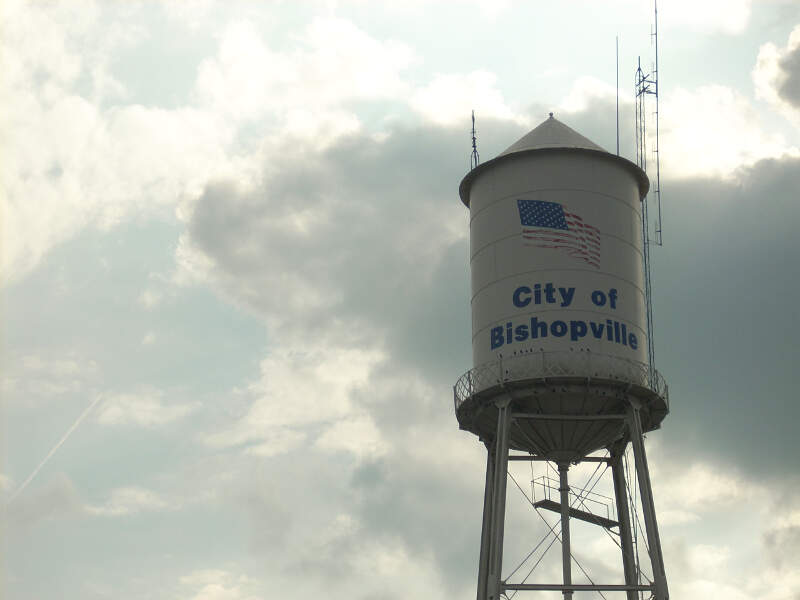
x=541 y=365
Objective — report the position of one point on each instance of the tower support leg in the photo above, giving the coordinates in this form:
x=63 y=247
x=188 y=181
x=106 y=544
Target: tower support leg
x=648 y=507
x=624 y=518
x=488 y=507
x=494 y=583
x=566 y=556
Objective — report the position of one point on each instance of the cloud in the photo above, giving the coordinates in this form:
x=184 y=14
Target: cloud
x=348 y=262
x=217 y=584
x=708 y=131
x=303 y=387
x=55 y=498
x=31 y=379
x=340 y=247
x=341 y=455
x=715 y=319
x=777 y=76
x=76 y=165
x=357 y=435
x=449 y=99
x=589 y=91
x=698 y=487
x=85 y=159
x=725 y=16
x=130 y=500
x=782 y=541
x=146 y=409
x=353 y=262
x=150 y=298
x=332 y=61
x=712 y=131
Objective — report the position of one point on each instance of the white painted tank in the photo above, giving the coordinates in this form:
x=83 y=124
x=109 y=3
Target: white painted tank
x=556 y=253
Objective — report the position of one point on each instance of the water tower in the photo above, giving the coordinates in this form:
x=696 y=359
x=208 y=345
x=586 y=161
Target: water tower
x=560 y=340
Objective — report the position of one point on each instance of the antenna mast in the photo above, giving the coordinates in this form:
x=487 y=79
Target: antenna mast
x=475 y=158
x=617 y=92
x=647 y=84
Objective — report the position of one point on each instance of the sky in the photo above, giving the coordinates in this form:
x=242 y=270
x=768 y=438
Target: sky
x=235 y=288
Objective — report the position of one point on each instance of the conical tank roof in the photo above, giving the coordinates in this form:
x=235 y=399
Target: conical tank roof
x=550 y=135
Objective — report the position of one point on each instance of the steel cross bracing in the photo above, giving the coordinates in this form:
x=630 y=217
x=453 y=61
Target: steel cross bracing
x=632 y=577
x=492 y=586
x=556 y=537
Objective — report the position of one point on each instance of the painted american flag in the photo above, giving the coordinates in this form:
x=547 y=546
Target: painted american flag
x=548 y=225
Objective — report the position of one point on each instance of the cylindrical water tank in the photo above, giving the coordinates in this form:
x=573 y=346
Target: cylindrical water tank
x=558 y=289
x=556 y=249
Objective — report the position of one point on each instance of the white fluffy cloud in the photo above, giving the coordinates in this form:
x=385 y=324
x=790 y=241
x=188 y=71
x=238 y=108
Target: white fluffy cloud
x=699 y=487
x=726 y=16
x=83 y=157
x=777 y=76
x=586 y=91
x=217 y=584
x=450 y=98
x=302 y=389
x=5 y=483
x=349 y=245
x=129 y=500
x=730 y=17
x=712 y=131
x=32 y=379
x=144 y=409
x=77 y=164
x=300 y=94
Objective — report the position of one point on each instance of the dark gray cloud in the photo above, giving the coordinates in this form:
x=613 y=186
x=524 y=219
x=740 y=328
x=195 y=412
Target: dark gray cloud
x=381 y=262
x=360 y=245
x=789 y=88
x=783 y=546
x=366 y=241
x=725 y=294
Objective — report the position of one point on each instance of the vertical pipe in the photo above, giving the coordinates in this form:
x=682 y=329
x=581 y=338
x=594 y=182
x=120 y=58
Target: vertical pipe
x=648 y=507
x=623 y=514
x=499 y=499
x=566 y=557
x=486 y=528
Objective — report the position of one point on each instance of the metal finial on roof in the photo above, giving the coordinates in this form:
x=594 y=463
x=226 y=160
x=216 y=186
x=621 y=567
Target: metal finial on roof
x=551 y=115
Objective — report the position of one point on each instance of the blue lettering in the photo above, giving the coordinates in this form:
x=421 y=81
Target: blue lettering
x=520 y=333
x=566 y=295
x=497 y=337
x=549 y=293
x=558 y=328
x=538 y=328
x=599 y=298
x=577 y=329
x=518 y=300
